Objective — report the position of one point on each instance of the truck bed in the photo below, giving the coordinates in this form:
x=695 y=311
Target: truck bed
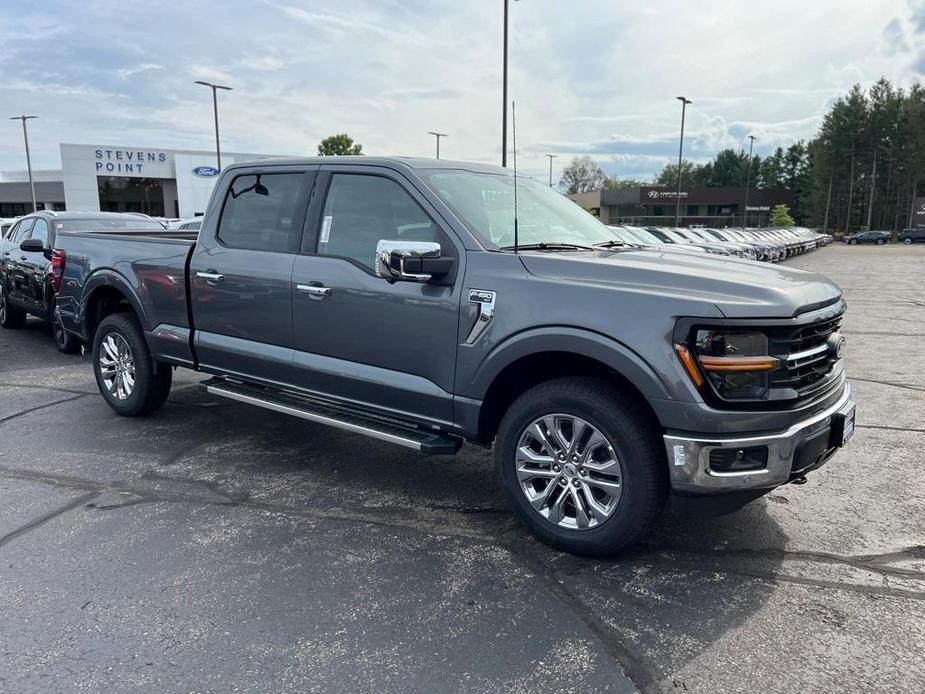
x=149 y=268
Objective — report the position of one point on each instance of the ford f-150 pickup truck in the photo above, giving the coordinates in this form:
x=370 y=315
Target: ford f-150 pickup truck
x=422 y=303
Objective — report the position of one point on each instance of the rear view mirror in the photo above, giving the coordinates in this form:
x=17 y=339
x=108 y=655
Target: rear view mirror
x=32 y=246
x=410 y=261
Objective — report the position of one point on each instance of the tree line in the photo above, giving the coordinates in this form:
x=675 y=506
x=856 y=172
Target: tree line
x=863 y=169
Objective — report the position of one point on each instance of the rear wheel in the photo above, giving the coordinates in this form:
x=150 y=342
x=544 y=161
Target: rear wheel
x=880 y=242
x=10 y=316
x=131 y=382
x=583 y=468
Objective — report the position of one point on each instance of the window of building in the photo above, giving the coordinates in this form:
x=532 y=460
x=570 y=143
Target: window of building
x=362 y=210
x=259 y=213
x=58 y=206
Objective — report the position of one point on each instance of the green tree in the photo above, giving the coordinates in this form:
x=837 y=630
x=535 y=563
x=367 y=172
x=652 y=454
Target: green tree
x=692 y=175
x=582 y=175
x=614 y=183
x=338 y=145
x=780 y=216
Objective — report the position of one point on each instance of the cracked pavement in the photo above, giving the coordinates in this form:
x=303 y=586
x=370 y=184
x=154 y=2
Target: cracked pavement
x=217 y=547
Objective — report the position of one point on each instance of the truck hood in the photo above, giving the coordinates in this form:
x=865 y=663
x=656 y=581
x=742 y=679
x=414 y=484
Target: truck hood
x=737 y=288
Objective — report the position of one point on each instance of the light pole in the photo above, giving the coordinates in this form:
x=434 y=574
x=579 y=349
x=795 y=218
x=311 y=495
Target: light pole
x=215 y=88
x=677 y=203
x=748 y=178
x=504 y=93
x=438 y=136
x=551 y=157
x=25 y=138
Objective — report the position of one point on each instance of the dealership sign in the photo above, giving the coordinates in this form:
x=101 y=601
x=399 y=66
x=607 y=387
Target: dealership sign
x=659 y=194
x=205 y=171
x=126 y=160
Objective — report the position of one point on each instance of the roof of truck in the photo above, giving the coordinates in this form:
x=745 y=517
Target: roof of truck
x=390 y=162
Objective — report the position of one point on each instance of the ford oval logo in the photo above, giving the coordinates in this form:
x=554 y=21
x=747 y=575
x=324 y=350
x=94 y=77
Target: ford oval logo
x=205 y=171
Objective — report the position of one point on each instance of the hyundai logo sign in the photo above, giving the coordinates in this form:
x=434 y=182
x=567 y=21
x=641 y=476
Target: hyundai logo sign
x=205 y=171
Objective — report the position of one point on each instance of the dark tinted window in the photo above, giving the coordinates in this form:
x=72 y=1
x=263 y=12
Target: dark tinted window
x=40 y=231
x=259 y=213
x=107 y=224
x=362 y=210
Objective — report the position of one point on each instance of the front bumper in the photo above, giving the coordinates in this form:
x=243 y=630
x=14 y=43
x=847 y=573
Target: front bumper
x=802 y=447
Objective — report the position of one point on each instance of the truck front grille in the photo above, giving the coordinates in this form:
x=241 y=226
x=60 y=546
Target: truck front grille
x=808 y=358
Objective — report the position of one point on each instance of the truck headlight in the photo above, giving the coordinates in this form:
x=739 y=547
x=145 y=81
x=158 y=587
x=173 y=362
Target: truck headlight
x=736 y=362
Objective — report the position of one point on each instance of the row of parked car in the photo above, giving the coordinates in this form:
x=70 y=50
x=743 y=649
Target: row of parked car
x=767 y=245
x=881 y=237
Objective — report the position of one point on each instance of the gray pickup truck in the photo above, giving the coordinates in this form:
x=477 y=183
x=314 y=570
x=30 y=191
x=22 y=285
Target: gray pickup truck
x=414 y=301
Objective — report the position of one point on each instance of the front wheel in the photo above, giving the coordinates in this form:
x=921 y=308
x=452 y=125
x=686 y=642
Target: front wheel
x=131 y=382
x=880 y=242
x=583 y=468
x=10 y=316
x=65 y=341
x=907 y=241
x=853 y=242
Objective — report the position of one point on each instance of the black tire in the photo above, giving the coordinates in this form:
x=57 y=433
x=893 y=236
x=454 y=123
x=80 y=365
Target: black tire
x=66 y=342
x=880 y=242
x=151 y=379
x=853 y=242
x=907 y=241
x=635 y=439
x=10 y=316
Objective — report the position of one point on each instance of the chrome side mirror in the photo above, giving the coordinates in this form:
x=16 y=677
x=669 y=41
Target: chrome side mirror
x=410 y=261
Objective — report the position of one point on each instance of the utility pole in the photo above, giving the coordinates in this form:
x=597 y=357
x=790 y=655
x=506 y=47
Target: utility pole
x=828 y=200
x=25 y=137
x=748 y=178
x=873 y=186
x=438 y=136
x=504 y=93
x=677 y=203
x=215 y=88
x=850 y=192
x=551 y=157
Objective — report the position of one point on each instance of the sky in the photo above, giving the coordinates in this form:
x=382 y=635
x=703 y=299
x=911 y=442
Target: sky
x=594 y=77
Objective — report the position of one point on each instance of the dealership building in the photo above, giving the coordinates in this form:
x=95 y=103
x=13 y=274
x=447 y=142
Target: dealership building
x=655 y=205
x=108 y=178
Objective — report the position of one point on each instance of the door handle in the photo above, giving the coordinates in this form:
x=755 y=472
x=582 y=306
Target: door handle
x=314 y=290
x=22 y=257
x=211 y=276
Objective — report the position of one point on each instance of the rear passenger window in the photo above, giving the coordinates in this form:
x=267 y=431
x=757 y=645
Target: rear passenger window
x=362 y=210
x=259 y=213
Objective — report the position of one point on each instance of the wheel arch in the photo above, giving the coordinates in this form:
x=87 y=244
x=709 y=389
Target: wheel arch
x=531 y=359
x=105 y=293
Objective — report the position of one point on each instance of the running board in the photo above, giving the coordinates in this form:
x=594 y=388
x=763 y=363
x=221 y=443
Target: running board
x=427 y=442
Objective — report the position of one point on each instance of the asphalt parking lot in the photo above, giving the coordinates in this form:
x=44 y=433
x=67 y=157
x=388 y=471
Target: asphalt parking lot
x=218 y=547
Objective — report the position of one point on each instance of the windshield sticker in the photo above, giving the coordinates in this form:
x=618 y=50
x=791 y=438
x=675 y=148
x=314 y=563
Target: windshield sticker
x=326 y=228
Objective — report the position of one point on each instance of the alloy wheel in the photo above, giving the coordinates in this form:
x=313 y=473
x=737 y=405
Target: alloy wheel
x=569 y=471
x=117 y=366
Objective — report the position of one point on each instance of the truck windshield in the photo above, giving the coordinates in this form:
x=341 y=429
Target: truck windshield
x=485 y=203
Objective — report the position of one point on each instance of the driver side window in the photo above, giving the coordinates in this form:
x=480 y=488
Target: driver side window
x=40 y=231
x=362 y=209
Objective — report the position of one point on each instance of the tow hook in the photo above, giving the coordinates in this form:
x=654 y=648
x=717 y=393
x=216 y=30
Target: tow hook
x=799 y=480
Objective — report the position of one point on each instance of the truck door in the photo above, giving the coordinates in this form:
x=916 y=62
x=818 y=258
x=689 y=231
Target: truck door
x=35 y=269
x=13 y=258
x=241 y=270
x=356 y=336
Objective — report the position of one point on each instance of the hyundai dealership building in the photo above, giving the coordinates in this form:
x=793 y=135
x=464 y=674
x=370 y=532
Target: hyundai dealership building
x=109 y=178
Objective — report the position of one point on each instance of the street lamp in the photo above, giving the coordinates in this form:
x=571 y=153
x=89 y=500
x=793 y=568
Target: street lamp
x=504 y=92
x=215 y=88
x=748 y=178
x=551 y=157
x=438 y=136
x=25 y=137
x=677 y=203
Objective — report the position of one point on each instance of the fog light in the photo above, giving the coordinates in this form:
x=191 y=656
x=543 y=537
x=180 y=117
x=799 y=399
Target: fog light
x=738 y=459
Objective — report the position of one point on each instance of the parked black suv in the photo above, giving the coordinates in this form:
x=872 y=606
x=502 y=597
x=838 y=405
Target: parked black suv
x=908 y=236
x=877 y=237
x=28 y=276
